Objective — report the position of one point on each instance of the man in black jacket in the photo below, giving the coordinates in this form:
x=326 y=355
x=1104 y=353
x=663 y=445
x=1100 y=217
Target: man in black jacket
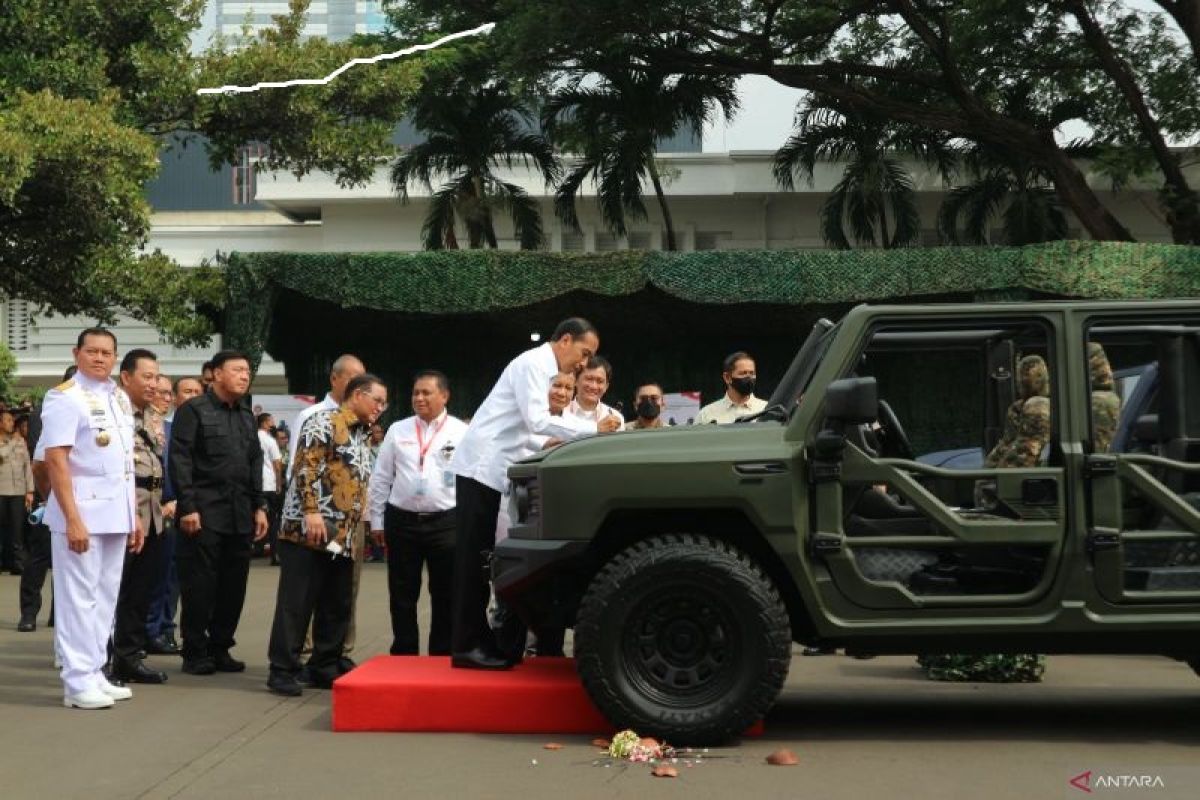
x=216 y=469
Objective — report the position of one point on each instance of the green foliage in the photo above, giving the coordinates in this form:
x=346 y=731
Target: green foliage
x=8 y=368
x=88 y=91
x=945 y=67
x=615 y=126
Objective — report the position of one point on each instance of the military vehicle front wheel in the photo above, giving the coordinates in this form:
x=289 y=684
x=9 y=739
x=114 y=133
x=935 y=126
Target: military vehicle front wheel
x=683 y=637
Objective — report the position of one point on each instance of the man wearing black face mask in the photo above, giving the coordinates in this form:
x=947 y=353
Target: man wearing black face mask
x=739 y=375
x=649 y=403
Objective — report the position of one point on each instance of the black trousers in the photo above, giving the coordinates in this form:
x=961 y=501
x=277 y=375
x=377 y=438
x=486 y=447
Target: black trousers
x=274 y=519
x=414 y=542
x=316 y=585
x=138 y=581
x=12 y=530
x=37 y=564
x=213 y=568
x=477 y=513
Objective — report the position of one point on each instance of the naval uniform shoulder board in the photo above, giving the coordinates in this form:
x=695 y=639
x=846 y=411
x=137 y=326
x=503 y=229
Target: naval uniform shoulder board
x=62 y=387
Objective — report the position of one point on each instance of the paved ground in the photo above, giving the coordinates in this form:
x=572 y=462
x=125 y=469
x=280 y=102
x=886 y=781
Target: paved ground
x=861 y=729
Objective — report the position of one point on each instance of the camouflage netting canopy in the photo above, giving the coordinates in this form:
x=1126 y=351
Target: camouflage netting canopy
x=475 y=281
x=667 y=317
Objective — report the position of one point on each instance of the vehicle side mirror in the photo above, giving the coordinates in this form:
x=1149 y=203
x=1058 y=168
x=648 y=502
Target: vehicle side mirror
x=852 y=401
x=1146 y=429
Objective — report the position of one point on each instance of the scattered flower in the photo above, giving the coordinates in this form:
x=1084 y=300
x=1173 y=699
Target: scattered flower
x=552 y=746
x=783 y=758
x=623 y=743
x=664 y=771
x=603 y=743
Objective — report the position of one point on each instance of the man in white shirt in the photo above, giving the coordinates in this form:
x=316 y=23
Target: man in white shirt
x=516 y=409
x=412 y=503
x=345 y=369
x=739 y=374
x=272 y=480
x=593 y=382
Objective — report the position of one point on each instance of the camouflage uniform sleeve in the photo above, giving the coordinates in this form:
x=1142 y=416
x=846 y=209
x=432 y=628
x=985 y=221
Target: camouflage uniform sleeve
x=1106 y=411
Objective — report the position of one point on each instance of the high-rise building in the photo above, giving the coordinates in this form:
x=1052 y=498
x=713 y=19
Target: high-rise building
x=333 y=19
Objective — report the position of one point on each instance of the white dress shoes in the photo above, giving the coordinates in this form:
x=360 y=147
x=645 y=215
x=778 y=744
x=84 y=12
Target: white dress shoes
x=92 y=698
x=114 y=691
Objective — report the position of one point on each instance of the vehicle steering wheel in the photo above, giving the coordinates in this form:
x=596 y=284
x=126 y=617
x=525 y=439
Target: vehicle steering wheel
x=895 y=440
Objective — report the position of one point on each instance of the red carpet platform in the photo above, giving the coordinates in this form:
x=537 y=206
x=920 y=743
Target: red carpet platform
x=422 y=693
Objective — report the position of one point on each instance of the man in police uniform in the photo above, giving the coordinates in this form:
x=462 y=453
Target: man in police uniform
x=139 y=381
x=87 y=445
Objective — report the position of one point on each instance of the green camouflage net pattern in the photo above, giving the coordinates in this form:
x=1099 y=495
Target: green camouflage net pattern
x=995 y=668
x=472 y=281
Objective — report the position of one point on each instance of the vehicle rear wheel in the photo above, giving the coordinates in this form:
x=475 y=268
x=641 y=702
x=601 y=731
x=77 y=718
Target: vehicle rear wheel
x=683 y=637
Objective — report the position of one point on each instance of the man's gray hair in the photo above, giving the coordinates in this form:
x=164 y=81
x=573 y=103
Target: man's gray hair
x=343 y=361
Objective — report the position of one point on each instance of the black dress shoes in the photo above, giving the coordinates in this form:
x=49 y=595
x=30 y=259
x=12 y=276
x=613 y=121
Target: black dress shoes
x=138 y=672
x=480 y=658
x=199 y=666
x=162 y=646
x=223 y=662
x=283 y=684
x=27 y=624
x=345 y=664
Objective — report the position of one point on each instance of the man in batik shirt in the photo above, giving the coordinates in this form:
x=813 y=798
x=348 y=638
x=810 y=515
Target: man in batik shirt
x=323 y=517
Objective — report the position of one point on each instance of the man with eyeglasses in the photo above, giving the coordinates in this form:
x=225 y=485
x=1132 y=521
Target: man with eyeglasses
x=323 y=517
x=648 y=402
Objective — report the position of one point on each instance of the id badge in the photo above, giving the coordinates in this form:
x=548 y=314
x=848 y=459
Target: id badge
x=422 y=487
x=448 y=479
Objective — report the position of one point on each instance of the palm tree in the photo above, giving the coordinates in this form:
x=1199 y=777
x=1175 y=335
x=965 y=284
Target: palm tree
x=615 y=127
x=874 y=184
x=1023 y=198
x=469 y=132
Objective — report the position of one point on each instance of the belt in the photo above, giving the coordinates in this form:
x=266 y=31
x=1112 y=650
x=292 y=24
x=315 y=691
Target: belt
x=404 y=516
x=147 y=482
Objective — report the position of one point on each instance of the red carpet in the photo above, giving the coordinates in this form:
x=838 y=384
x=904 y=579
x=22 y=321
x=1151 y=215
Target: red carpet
x=422 y=693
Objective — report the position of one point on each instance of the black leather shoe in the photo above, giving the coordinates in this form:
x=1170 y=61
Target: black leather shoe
x=199 y=666
x=345 y=664
x=321 y=680
x=223 y=662
x=160 y=646
x=479 y=658
x=283 y=684
x=304 y=677
x=27 y=624
x=138 y=672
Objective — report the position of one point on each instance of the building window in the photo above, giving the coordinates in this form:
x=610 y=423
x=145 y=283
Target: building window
x=711 y=240
x=16 y=325
x=572 y=242
x=606 y=242
x=244 y=175
x=639 y=240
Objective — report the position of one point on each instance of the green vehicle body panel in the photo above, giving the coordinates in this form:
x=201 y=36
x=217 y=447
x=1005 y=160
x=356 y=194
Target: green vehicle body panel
x=754 y=481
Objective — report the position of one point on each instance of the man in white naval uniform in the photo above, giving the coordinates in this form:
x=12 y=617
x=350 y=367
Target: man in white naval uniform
x=87 y=445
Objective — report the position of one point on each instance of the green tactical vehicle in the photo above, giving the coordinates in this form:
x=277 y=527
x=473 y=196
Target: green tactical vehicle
x=689 y=560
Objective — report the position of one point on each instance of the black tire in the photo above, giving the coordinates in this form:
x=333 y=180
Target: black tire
x=683 y=637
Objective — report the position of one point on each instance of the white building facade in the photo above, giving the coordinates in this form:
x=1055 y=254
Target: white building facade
x=717 y=201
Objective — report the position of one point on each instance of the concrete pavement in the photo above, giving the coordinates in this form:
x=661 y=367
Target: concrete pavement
x=861 y=729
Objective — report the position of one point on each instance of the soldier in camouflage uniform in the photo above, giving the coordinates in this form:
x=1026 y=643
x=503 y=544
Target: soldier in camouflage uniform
x=1026 y=434
x=1106 y=405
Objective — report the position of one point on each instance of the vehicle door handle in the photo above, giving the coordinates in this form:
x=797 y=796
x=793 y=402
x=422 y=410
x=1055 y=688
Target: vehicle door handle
x=760 y=468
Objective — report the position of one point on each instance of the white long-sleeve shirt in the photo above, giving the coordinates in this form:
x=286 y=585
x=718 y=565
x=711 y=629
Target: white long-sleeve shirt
x=400 y=478
x=517 y=408
x=328 y=404
x=595 y=415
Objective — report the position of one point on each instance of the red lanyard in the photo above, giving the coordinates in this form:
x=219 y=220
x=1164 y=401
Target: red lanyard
x=422 y=445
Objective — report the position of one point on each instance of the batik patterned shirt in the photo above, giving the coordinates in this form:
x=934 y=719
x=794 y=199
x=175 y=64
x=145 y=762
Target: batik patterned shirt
x=330 y=477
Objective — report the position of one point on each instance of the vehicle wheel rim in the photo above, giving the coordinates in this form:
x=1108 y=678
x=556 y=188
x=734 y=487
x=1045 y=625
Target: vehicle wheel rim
x=681 y=647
